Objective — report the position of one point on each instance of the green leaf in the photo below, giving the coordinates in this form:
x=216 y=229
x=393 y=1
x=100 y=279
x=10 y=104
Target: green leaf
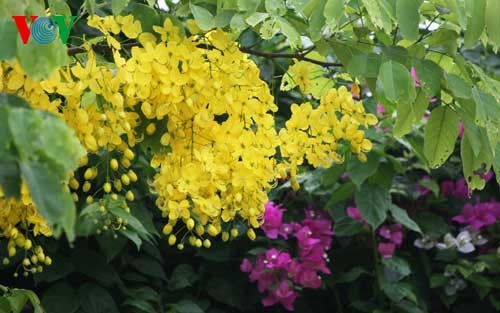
x=17 y=300
x=93 y=265
x=432 y=224
x=59 y=7
x=248 y=5
x=472 y=164
x=496 y=163
x=269 y=28
x=365 y=65
x=359 y=172
x=117 y=6
x=397 y=82
x=51 y=199
x=441 y=132
x=408 y=15
x=8 y=37
x=458 y=8
x=373 y=202
x=48 y=58
x=334 y=9
x=493 y=22
x=430 y=184
x=145 y=14
x=401 y=216
x=275 y=7
x=110 y=245
x=352 y=275
x=46 y=138
x=476 y=10
x=347 y=227
x=410 y=114
x=142 y=305
x=289 y=31
x=317 y=21
x=223 y=18
x=10 y=178
x=187 y=306
x=60 y=298
x=149 y=266
x=458 y=86
x=182 y=277
x=487 y=113
x=256 y=18
x=95 y=299
x=397 y=265
x=379 y=13
x=203 y=17
x=430 y=75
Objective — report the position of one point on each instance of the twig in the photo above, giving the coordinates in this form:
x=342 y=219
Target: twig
x=298 y=56
x=301 y=56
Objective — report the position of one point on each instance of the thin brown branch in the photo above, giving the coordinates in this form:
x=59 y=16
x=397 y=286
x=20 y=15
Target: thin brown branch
x=301 y=56
x=298 y=56
x=100 y=47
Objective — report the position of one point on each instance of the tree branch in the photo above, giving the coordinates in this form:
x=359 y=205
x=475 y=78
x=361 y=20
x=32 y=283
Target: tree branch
x=301 y=56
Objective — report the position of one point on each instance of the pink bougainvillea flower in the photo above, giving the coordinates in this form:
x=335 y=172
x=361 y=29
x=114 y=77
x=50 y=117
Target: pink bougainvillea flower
x=380 y=109
x=462 y=191
x=277 y=274
x=386 y=250
x=413 y=73
x=479 y=215
x=393 y=233
x=273 y=218
x=246 y=266
x=461 y=130
x=353 y=213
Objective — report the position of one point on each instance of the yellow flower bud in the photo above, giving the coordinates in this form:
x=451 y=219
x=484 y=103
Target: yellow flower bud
x=125 y=180
x=107 y=187
x=133 y=176
x=113 y=164
x=118 y=185
x=90 y=200
x=48 y=261
x=234 y=232
x=200 y=230
x=129 y=196
x=172 y=239
x=225 y=236
x=151 y=129
x=190 y=224
x=206 y=243
x=167 y=229
x=129 y=154
x=251 y=234
x=86 y=186
x=212 y=230
x=34 y=259
x=89 y=174
x=27 y=244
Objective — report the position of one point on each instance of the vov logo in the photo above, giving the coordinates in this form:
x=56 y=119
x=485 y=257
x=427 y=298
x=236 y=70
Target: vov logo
x=44 y=30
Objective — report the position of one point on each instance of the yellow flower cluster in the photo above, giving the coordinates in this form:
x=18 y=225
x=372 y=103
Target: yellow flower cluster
x=203 y=101
x=219 y=127
x=313 y=134
x=21 y=223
